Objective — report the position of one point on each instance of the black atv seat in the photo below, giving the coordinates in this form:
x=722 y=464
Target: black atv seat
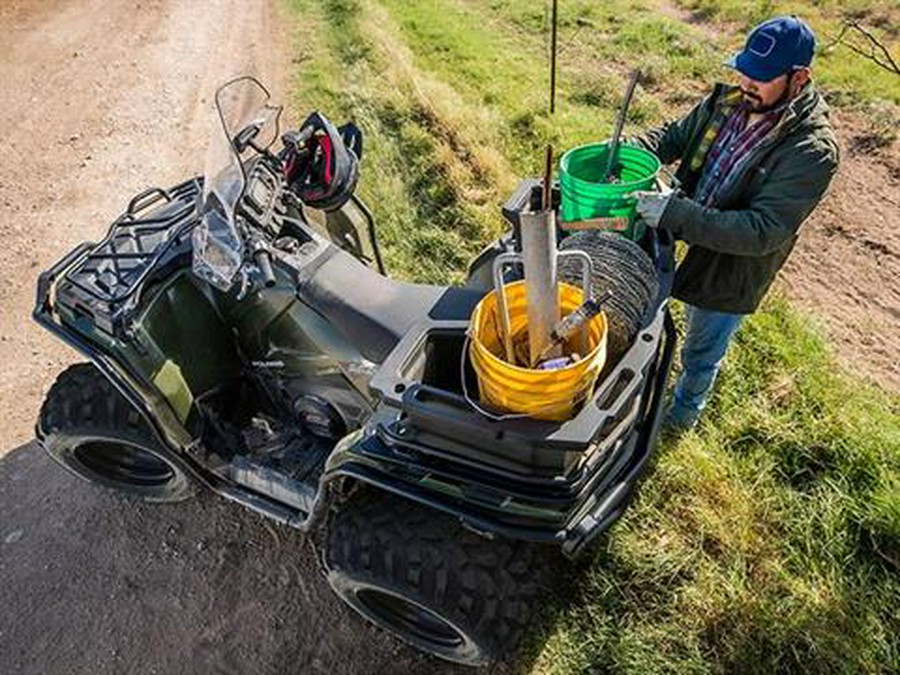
x=374 y=312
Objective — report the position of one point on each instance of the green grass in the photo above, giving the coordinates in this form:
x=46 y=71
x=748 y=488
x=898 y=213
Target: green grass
x=769 y=539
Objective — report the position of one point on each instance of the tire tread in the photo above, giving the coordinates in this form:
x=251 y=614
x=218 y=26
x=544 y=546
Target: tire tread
x=489 y=588
x=82 y=404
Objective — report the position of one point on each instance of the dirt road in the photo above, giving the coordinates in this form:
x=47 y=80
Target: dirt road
x=101 y=100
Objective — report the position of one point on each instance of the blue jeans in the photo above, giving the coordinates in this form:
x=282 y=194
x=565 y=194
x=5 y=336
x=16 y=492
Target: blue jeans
x=705 y=344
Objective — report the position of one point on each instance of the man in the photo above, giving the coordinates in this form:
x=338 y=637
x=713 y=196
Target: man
x=755 y=159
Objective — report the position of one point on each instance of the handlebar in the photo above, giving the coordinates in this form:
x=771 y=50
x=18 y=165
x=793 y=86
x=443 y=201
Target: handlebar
x=294 y=140
x=263 y=260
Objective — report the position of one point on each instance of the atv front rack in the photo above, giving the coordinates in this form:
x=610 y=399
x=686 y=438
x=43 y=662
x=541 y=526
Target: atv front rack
x=102 y=283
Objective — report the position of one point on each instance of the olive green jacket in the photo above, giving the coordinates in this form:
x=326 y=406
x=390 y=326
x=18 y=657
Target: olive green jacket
x=737 y=248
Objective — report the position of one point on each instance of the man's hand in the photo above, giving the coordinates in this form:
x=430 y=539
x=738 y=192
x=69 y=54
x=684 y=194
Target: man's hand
x=651 y=205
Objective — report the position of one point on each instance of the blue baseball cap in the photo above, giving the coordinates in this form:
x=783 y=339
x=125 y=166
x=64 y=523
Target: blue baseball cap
x=775 y=47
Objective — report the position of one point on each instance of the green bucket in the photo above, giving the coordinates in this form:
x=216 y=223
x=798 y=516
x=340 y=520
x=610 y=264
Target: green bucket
x=589 y=204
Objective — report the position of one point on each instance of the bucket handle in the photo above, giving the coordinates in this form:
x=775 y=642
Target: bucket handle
x=587 y=274
x=502 y=306
x=587 y=293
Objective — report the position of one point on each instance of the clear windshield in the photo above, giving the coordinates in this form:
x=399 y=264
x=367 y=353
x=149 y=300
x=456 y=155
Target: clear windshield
x=242 y=112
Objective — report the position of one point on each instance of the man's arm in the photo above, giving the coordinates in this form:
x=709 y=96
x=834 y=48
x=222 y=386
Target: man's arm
x=791 y=191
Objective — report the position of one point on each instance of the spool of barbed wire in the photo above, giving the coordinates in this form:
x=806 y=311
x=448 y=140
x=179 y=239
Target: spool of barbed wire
x=619 y=266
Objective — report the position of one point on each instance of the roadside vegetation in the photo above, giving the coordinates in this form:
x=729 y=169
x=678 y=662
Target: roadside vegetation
x=769 y=539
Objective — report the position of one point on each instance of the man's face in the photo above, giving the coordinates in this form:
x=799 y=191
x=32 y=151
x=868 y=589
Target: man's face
x=762 y=96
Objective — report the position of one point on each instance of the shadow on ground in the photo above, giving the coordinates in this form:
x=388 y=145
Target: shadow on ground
x=91 y=582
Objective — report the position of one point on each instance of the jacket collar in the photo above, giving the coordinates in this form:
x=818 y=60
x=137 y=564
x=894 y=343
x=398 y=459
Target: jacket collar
x=805 y=108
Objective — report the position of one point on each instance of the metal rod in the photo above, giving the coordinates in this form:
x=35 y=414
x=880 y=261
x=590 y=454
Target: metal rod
x=553 y=59
x=546 y=204
x=620 y=124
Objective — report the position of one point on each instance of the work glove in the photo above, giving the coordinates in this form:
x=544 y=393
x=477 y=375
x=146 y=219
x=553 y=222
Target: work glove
x=651 y=205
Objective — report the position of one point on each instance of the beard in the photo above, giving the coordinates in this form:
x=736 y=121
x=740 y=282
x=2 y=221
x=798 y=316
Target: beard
x=755 y=104
x=752 y=101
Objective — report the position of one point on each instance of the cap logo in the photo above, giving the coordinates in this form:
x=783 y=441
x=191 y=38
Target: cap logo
x=761 y=45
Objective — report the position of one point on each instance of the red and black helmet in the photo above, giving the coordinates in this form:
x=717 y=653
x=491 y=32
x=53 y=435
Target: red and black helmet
x=322 y=164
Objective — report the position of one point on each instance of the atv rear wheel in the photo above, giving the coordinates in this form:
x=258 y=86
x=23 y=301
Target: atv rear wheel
x=419 y=574
x=88 y=427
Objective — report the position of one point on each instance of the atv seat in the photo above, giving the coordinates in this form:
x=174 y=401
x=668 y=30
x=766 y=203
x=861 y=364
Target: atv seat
x=374 y=312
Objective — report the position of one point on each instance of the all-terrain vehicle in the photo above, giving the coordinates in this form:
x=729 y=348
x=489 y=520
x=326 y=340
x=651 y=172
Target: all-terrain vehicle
x=242 y=335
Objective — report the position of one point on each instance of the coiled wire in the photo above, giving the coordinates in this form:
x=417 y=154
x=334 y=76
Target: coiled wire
x=620 y=266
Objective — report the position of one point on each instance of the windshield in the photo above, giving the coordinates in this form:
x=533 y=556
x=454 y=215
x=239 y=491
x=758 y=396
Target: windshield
x=245 y=122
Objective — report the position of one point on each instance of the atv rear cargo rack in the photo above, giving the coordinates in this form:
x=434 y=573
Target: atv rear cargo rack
x=435 y=413
x=546 y=493
x=421 y=380
x=561 y=482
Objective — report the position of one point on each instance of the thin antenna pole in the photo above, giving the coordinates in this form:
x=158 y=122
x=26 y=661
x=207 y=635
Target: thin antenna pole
x=548 y=165
x=553 y=60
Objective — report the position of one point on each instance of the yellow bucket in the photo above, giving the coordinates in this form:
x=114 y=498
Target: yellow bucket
x=542 y=394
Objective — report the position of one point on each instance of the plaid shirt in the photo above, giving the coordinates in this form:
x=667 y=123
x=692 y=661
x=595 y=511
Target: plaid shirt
x=732 y=145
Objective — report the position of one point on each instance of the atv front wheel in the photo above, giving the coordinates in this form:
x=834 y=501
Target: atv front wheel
x=88 y=427
x=419 y=574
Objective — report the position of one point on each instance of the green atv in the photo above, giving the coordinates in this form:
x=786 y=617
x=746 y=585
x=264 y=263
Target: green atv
x=242 y=335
